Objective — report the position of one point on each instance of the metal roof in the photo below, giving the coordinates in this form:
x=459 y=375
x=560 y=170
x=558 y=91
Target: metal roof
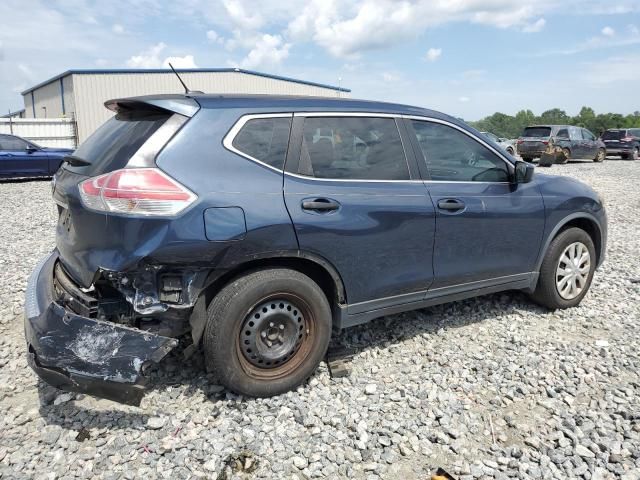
x=181 y=70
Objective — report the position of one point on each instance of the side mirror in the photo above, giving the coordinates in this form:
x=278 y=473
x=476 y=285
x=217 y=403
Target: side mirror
x=523 y=172
x=31 y=149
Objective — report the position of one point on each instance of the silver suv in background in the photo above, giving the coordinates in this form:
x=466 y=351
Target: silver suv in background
x=565 y=141
x=508 y=145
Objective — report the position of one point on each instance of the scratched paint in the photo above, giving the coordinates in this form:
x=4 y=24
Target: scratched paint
x=97 y=344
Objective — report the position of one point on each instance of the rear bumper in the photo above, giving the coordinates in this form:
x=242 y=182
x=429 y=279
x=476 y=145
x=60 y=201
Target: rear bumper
x=619 y=150
x=81 y=354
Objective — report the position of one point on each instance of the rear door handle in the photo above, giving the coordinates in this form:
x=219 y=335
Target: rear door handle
x=320 y=205
x=450 y=205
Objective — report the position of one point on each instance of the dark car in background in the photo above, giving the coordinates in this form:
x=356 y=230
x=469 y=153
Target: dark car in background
x=565 y=140
x=23 y=158
x=260 y=224
x=623 y=142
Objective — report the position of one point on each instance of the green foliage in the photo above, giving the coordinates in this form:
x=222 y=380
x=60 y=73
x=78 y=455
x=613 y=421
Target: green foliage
x=511 y=127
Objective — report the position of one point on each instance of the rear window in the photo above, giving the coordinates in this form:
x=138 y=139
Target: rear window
x=112 y=145
x=537 y=132
x=265 y=139
x=613 y=134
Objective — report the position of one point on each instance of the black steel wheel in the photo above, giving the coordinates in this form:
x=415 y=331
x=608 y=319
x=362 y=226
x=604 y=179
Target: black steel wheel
x=267 y=332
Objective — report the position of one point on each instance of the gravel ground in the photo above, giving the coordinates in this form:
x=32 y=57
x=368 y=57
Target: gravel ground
x=493 y=387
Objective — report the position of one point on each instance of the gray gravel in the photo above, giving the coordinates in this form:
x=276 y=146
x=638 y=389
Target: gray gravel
x=493 y=387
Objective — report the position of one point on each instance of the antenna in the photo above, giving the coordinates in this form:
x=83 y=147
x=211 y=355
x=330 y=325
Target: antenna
x=186 y=89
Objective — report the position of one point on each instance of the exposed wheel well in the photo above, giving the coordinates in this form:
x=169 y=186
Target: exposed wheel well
x=588 y=226
x=330 y=283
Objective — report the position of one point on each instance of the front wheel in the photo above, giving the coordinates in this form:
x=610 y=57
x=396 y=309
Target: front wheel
x=602 y=154
x=564 y=157
x=267 y=332
x=567 y=270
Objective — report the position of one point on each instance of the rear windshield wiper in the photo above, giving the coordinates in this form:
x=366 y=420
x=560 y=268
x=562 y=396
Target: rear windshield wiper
x=76 y=161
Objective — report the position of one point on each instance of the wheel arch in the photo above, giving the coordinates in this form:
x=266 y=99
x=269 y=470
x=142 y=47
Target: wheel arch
x=584 y=221
x=314 y=266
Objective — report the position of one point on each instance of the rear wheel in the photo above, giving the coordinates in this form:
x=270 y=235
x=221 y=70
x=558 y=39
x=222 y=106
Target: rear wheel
x=267 y=332
x=635 y=154
x=567 y=270
x=602 y=154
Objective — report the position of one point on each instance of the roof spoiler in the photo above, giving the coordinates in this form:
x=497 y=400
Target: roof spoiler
x=178 y=104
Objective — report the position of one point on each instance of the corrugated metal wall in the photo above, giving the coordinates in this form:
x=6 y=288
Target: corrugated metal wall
x=91 y=91
x=51 y=132
x=84 y=94
x=47 y=96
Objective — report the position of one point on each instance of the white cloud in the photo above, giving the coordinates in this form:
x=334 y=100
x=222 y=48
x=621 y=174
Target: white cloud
x=212 y=35
x=102 y=62
x=391 y=77
x=269 y=52
x=350 y=27
x=608 y=32
x=26 y=70
x=117 y=28
x=240 y=17
x=1 y=52
x=535 y=27
x=151 y=58
x=433 y=54
x=180 y=62
x=464 y=99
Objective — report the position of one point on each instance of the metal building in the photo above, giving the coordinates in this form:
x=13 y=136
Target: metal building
x=81 y=93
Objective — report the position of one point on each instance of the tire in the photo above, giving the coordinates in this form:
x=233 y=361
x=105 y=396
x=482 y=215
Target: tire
x=275 y=307
x=624 y=156
x=564 y=158
x=528 y=159
x=602 y=154
x=636 y=154
x=510 y=151
x=547 y=292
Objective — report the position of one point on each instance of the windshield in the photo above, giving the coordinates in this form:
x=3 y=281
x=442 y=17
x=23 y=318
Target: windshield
x=112 y=145
x=613 y=134
x=537 y=132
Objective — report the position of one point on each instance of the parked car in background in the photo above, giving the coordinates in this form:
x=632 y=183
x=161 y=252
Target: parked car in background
x=22 y=158
x=568 y=141
x=623 y=142
x=508 y=145
x=260 y=224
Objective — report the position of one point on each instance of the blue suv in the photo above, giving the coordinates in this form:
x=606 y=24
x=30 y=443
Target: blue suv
x=254 y=226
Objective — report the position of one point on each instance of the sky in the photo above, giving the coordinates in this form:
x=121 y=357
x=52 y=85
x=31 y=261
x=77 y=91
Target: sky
x=468 y=58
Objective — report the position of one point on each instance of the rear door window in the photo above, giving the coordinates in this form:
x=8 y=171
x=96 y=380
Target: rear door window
x=265 y=140
x=537 y=132
x=454 y=156
x=112 y=145
x=613 y=135
x=353 y=148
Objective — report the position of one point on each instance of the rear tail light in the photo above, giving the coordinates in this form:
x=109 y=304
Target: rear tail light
x=136 y=191
x=627 y=139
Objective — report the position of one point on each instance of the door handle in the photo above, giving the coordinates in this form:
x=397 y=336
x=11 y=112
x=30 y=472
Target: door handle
x=320 y=205
x=450 y=205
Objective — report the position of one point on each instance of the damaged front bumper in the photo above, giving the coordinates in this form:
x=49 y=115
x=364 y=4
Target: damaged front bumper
x=80 y=354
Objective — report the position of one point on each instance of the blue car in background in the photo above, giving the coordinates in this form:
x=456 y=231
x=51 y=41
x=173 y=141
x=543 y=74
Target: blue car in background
x=22 y=158
x=254 y=226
